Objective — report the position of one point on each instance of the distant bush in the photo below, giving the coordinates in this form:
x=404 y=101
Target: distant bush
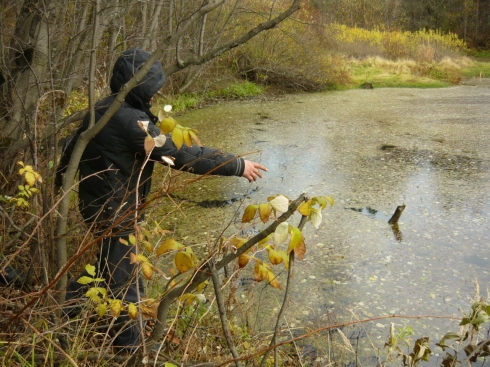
x=422 y=46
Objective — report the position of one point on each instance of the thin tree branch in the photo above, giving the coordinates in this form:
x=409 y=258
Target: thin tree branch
x=197 y=60
x=222 y=313
x=201 y=276
x=287 y=292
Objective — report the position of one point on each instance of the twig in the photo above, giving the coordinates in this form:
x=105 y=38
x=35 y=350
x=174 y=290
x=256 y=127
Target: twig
x=222 y=313
x=336 y=326
x=284 y=302
x=200 y=276
x=38 y=333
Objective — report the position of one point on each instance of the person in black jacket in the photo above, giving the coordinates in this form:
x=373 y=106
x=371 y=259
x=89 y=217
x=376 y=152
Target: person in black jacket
x=113 y=177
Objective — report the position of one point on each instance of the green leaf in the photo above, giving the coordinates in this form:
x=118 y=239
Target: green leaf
x=448 y=336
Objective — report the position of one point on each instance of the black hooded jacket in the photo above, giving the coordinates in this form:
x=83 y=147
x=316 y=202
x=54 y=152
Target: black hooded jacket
x=112 y=161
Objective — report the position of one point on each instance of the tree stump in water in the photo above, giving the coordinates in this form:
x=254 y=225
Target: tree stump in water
x=398 y=212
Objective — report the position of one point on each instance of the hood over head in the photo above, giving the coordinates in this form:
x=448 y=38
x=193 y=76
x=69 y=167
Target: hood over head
x=126 y=66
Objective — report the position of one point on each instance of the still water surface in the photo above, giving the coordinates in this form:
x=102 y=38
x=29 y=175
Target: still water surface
x=372 y=150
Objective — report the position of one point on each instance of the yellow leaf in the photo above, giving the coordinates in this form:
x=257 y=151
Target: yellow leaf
x=116 y=306
x=178 y=137
x=149 y=308
x=297 y=243
x=285 y=258
x=167 y=125
x=133 y=259
x=143 y=258
x=169 y=245
x=235 y=243
x=187 y=137
x=132 y=310
x=148 y=246
x=264 y=212
x=271 y=277
x=123 y=241
x=94 y=295
x=201 y=286
x=30 y=178
x=305 y=208
x=90 y=269
x=85 y=280
x=249 y=213
x=243 y=260
x=260 y=271
x=132 y=239
x=147 y=270
x=187 y=298
x=274 y=256
x=183 y=261
x=101 y=309
x=193 y=132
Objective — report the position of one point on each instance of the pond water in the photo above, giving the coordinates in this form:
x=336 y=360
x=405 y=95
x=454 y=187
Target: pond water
x=371 y=150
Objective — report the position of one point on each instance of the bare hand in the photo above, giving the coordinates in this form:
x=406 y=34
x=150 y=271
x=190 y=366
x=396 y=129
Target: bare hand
x=252 y=170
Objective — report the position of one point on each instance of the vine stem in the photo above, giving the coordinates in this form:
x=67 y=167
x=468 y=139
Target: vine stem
x=222 y=313
x=284 y=303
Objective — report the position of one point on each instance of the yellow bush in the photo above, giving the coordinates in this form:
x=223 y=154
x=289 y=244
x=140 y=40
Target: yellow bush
x=423 y=45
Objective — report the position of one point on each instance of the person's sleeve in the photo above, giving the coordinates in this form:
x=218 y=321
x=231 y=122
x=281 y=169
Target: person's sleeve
x=195 y=159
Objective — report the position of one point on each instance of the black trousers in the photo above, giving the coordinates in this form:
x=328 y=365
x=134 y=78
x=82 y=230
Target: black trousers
x=120 y=276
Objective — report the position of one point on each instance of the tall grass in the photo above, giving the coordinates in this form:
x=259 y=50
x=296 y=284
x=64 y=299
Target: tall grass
x=422 y=46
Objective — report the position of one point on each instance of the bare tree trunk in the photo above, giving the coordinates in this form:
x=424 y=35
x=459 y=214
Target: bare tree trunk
x=150 y=40
x=476 y=22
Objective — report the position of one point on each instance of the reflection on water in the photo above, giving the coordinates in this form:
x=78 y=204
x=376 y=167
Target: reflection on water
x=434 y=158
